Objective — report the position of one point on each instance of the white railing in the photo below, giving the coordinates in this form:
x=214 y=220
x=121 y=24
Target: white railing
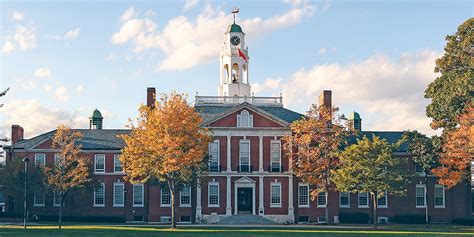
x=221 y=100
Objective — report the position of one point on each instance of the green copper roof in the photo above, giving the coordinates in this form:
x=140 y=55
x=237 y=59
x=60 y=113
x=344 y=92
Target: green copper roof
x=97 y=114
x=234 y=28
x=354 y=116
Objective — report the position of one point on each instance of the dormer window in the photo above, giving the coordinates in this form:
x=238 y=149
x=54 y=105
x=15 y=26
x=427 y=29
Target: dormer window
x=244 y=120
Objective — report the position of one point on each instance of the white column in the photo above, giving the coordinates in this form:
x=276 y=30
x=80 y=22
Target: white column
x=290 y=158
x=291 y=214
x=228 y=208
x=229 y=166
x=198 y=200
x=261 y=209
x=260 y=154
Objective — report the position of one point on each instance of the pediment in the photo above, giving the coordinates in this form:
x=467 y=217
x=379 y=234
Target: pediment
x=245 y=180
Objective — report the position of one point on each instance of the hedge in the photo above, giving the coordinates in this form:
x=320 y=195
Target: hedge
x=464 y=221
x=104 y=219
x=354 y=218
x=410 y=219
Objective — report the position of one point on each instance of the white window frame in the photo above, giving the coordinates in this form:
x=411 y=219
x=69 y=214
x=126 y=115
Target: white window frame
x=272 y=204
x=424 y=196
x=444 y=196
x=161 y=198
x=118 y=184
x=218 y=154
x=358 y=200
x=35 y=201
x=99 y=205
x=300 y=197
x=116 y=159
x=181 y=204
x=142 y=194
x=348 y=200
x=244 y=115
x=37 y=158
x=386 y=201
x=420 y=173
x=279 y=154
x=57 y=199
x=209 y=194
x=240 y=154
x=96 y=157
x=325 y=199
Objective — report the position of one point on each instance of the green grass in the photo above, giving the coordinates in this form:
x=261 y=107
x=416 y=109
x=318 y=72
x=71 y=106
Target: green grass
x=234 y=231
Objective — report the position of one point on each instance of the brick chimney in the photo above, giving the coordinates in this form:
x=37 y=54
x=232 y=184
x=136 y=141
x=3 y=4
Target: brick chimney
x=150 y=96
x=17 y=133
x=325 y=99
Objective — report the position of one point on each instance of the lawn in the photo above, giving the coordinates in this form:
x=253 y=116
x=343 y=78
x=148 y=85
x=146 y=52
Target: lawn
x=201 y=231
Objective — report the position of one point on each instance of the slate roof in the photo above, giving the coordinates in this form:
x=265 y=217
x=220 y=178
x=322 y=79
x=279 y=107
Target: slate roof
x=391 y=137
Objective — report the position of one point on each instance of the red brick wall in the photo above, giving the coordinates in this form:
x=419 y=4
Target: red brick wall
x=231 y=120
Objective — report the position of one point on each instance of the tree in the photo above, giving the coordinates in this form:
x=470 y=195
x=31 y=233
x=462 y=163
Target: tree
x=167 y=144
x=425 y=155
x=314 y=144
x=69 y=171
x=369 y=166
x=458 y=151
x=454 y=88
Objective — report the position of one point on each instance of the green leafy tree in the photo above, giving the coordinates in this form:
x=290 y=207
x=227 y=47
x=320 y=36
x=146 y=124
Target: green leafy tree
x=454 y=88
x=369 y=166
x=424 y=152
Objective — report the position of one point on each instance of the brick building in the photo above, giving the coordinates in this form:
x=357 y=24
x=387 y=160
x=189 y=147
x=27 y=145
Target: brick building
x=249 y=174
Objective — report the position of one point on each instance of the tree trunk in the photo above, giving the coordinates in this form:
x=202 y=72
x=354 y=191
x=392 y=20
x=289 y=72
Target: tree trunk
x=326 y=210
x=426 y=201
x=173 y=214
x=374 y=199
x=60 y=209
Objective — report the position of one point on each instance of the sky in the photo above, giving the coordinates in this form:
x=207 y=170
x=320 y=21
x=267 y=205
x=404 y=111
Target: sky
x=63 y=59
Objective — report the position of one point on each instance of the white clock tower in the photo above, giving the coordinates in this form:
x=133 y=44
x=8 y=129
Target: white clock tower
x=234 y=63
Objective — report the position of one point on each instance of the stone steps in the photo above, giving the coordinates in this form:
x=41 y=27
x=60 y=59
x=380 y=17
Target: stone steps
x=245 y=220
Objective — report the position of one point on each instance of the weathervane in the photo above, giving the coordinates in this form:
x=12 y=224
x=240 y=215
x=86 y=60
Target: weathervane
x=235 y=11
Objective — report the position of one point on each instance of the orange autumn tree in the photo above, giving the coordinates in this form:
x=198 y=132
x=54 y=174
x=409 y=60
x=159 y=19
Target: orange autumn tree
x=167 y=144
x=458 y=151
x=313 y=147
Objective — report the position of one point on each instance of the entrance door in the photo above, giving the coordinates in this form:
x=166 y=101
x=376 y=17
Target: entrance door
x=244 y=200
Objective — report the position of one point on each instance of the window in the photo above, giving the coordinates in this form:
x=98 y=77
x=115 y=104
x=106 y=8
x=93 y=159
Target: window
x=439 y=196
x=244 y=156
x=165 y=197
x=344 y=200
x=303 y=195
x=40 y=160
x=185 y=197
x=38 y=200
x=214 y=156
x=275 y=153
x=244 y=119
x=322 y=199
x=118 y=194
x=57 y=159
x=99 y=163
x=138 y=195
x=57 y=199
x=383 y=200
x=363 y=200
x=213 y=194
x=275 y=195
x=419 y=170
x=420 y=195
x=99 y=196
x=118 y=168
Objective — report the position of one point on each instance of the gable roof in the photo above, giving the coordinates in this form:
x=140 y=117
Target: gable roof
x=391 y=136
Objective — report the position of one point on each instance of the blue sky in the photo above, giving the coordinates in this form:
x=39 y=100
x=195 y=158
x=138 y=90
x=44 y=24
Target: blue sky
x=62 y=59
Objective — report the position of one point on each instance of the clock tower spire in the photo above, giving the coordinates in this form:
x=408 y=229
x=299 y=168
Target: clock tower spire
x=234 y=63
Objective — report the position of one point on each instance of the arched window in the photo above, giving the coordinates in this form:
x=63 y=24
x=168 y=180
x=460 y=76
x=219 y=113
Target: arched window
x=244 y=119
x=225 y=74
x=235 y=73
x=245 y=74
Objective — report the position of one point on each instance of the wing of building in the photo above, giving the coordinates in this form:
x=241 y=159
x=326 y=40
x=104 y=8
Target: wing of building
x=250 y=178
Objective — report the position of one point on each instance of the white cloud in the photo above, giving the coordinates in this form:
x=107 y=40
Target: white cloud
x=37 y=118
x=72 y=34
x=43 y=72
x=79 y=89
x=46 y=87
x=128 y=14
x=388 y=92
x=8 y=47
x=322 y=51
x=61 y=94
x=187 y=43
x=112 y=57
x=190 y=4
x=17 y=16
x=150 y=13
x=25 y=37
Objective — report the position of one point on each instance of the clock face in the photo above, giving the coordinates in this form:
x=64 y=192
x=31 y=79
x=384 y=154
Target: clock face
x=235 y=40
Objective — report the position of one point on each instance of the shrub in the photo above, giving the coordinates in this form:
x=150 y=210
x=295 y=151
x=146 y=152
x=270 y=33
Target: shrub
x=10 y=215
x=354 y=218
x=464 y=221
x=104 y=219
x=410 y=219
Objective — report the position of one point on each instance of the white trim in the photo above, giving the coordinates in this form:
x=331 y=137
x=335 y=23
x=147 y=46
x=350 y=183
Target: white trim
x=116 y=157
x=40 y=155
x=300 y=184
x=416 y=197
x=444 y=196
x=325 y=200
x=142 y=195
x=161 y=197
x=102 y=184
x=244 y=182
x=348 y=200
x=35 y=204
x=275 y=141
x=218 y=154
x=275 y=205
x=358 y=200
x=209 y=194
x=251 y=132
x=240 y=154
x=117 y=184
x=96 y=156
x=181 y=195
x=54 y=201
x=386 y=201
